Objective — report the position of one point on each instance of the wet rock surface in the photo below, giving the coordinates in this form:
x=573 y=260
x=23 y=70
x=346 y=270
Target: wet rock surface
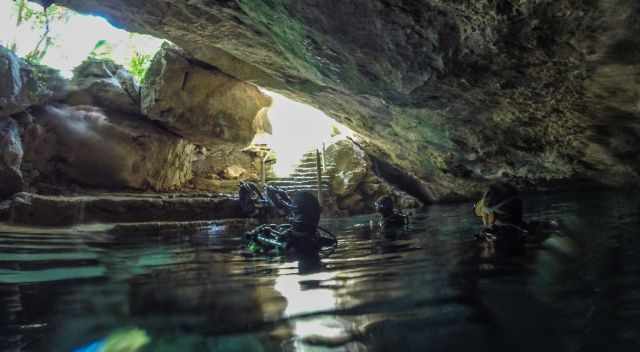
x=10 y=158
x=543 y=93
x=38 y=210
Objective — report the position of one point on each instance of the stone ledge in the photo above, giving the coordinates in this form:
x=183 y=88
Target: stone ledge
x=37 y=210
x=233 y=226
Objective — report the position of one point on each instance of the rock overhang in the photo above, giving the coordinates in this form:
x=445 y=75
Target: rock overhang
x=456 y=94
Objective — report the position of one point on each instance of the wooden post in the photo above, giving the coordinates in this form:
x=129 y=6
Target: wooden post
x=319 y=173
x=263 y=168
x=324 y=160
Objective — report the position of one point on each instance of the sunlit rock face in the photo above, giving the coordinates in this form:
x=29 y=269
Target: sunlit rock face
x=206 y=106
x=85 y=132
x=457 y=94
x=92 y=147
x=91 y=134
x=23 y=85
x=354 y=184
x=103 y=83
x=200 y=103
x=222 y=167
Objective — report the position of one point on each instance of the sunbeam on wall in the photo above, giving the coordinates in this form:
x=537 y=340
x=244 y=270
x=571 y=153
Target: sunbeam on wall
x=297 y=129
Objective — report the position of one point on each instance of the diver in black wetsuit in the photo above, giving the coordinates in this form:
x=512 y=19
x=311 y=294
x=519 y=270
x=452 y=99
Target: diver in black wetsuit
x=500 y=209
x=273 y=203
x=388 y=218
x=301 y=234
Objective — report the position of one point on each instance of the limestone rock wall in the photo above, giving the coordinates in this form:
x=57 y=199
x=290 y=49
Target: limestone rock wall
x=210 y=108
x=10 y=158
x=354 y=183
x=103 y=149
x=456 y=93
x=103 y=83
x=23 y=85
x=200 y=103
x=91 y=134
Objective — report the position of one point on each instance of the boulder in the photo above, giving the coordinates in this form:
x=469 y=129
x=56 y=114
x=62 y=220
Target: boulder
x=199 y=102
x=234 y=172
x=103 y=83
x=24 y=85
x=221 y=167
x=353 y=203
x=10 y=158
x=354 y=183
x=351 y=168
x=93 y=147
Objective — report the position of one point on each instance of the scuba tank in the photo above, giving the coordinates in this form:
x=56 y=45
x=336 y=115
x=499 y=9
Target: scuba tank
x=302 y=233
x=388 y=216
x=252 y=202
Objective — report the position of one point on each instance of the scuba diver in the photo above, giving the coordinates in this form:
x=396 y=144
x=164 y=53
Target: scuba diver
x=271 y=204
x=388 y=218
x=301 y=235
x=500 y=209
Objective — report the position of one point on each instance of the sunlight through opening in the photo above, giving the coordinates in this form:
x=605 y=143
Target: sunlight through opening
x=73 y=37
x=297 y=129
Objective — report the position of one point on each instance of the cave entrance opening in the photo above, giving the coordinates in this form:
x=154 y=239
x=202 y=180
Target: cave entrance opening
x=297 y=134
x=62 y=38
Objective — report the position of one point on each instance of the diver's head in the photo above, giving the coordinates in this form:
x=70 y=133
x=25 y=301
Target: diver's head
x=305 y=212
x=384 y=206
x=500 y=203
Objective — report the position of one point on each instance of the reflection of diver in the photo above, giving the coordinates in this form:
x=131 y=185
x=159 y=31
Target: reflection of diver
x=388 y=219
x=301 y=235
x=270 y=204
x=501 y=211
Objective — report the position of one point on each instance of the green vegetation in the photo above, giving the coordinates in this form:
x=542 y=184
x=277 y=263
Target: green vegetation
x=139 y=64
x=102 y=50
x=287 y=32
x=50 y=36
x=40 y=20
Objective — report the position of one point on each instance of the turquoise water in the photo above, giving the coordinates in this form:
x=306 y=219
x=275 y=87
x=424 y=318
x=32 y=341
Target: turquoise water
x=431 y=288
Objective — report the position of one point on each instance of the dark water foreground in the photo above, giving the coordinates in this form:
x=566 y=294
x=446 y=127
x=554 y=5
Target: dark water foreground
x=431 y=289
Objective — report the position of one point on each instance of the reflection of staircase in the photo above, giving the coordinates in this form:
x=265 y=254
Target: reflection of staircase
x=304 y=177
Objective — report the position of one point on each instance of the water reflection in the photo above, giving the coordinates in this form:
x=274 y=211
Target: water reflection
x=431 y=288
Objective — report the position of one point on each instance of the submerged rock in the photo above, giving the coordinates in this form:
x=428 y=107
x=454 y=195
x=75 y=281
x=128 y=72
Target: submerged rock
x=10 y=158
x=199 y=102
x=38 y=210
x=23 y=85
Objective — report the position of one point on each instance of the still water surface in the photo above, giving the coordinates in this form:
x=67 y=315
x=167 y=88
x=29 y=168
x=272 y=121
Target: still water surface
x=431 y=288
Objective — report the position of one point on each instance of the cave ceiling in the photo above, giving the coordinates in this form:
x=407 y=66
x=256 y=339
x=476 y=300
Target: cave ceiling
x=545 y=93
